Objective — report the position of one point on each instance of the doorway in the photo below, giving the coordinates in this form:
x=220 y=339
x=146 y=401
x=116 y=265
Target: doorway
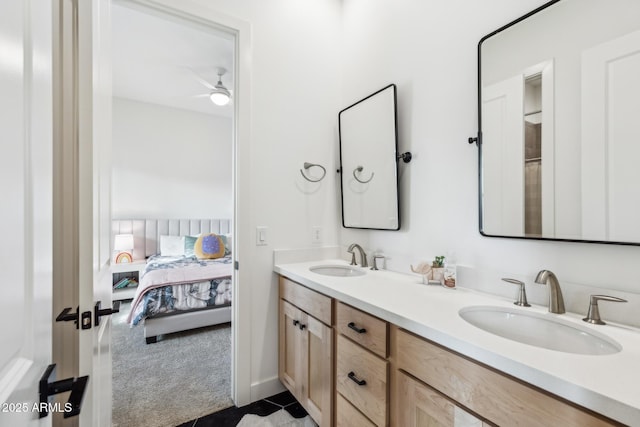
x=172 y=158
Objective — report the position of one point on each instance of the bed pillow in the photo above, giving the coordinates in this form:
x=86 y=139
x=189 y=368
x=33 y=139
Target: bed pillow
x=226 y=239
x=189 y=245
x=171 y=245
x=209 y=246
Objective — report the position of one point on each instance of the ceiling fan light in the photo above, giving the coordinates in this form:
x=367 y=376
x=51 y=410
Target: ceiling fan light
x=220 y=96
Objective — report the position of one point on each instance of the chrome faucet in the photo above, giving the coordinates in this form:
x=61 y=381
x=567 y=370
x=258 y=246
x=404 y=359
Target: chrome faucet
x=556 y=302
x=363 y=256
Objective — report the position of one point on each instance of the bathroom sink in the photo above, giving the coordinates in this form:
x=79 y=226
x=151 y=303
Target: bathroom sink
x=337 y=270
x=539 y=330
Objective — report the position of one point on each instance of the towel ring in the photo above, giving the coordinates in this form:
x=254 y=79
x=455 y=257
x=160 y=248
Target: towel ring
x=308 y=165
x=359 y=169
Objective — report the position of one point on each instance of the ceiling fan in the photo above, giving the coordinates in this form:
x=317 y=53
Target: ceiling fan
x=218 y=94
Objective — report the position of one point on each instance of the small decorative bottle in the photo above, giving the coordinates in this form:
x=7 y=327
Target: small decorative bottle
x=450 y=271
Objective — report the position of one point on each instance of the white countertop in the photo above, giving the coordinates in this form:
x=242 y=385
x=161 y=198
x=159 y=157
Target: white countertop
x=607 y=384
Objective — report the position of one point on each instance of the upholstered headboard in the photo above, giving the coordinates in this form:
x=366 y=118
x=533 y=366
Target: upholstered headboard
x=147 y=232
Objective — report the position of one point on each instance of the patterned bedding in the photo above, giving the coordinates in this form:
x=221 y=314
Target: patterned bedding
x=170 y=284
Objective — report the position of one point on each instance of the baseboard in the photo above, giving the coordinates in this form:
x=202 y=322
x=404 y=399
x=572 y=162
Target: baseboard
x=266 y=388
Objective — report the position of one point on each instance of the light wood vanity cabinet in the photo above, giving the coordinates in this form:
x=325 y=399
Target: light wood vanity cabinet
x=410 y=381
x=306 y=349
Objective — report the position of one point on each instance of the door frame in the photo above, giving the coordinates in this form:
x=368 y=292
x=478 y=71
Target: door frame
x=241 y=134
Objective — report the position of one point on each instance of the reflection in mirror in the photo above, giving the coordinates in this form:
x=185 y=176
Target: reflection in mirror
x=369 y=170
x=558 y=96
x=532 y=155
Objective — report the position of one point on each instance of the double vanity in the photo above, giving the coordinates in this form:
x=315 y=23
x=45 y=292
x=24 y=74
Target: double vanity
x=378 y=348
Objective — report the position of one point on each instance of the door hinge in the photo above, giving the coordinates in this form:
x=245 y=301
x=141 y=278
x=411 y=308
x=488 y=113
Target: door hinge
x=236 y=265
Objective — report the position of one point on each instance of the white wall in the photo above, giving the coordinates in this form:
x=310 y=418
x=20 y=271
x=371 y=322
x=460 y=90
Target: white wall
x=170 y=163
x=429 y=50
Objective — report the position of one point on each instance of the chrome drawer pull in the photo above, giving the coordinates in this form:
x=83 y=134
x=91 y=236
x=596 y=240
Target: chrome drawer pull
x=353 y=378
x=355 y=328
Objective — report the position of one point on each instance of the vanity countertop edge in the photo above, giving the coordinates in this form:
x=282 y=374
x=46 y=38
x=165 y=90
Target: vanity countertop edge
x=606 y=384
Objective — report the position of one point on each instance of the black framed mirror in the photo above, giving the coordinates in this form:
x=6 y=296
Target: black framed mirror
x=558 y=96
x=368 y=135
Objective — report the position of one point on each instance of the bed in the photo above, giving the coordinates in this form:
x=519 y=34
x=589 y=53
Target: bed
x=178 y=289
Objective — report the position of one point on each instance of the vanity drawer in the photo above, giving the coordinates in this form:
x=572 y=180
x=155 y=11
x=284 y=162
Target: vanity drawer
x=309 y=301
x=363 y=328
x=354 y=363
x=493 y=395
x=348 y=416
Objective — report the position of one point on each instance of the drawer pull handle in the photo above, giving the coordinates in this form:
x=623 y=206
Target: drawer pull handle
x=355 y=328
x=295 y=322
x=302 y=326
x=353 y=378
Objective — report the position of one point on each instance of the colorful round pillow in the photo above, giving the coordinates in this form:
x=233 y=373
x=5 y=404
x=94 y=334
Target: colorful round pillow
x=209 y=246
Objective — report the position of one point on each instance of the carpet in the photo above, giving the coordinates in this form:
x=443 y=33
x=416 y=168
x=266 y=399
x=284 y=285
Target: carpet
x=280 y=418
x=183 y=376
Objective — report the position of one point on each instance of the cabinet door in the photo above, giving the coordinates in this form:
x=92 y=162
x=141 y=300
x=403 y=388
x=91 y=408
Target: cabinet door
x=421 y=406
x=318 y=380
x=306 y=361
x=291 y=363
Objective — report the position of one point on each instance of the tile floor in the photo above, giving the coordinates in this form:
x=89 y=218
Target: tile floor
x=230 y=417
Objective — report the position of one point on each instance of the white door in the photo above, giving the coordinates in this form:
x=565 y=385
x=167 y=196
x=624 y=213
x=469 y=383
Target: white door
x=610 y=172
x=503 y=157
x=26 y=214
x=94 y=203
